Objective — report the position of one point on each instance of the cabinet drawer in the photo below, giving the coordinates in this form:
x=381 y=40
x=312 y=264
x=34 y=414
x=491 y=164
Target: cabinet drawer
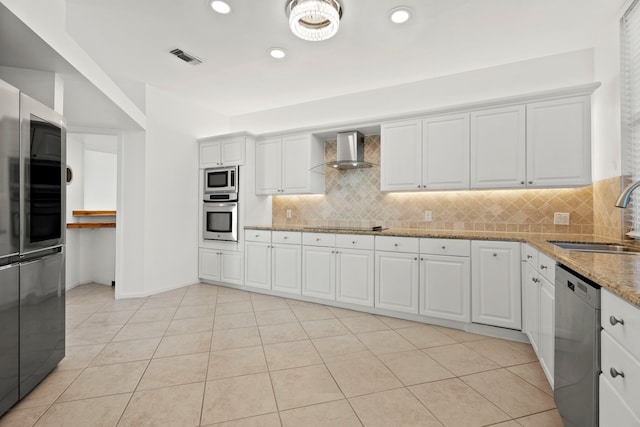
x=613 y=410
x=318 y=239
x=354 y=241
x=397 y=244
x=614 y=356
x=291 y=237
x=257 y=235
x=451 y=247
x=627 y=333
x=530 y=255
x=547 y=267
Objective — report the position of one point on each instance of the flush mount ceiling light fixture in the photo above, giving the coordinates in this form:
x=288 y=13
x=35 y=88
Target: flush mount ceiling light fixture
x=314 y=20
x=400 y=15
x=220 y=6
x=277 y=52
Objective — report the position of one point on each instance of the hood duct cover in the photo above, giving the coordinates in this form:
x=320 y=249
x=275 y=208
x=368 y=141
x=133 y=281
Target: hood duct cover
x=350 y=152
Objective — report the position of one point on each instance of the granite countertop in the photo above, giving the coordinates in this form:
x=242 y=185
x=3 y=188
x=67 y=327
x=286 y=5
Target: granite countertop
x=620 y=274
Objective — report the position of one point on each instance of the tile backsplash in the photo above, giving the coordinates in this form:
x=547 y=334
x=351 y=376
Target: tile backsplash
x=353 y=198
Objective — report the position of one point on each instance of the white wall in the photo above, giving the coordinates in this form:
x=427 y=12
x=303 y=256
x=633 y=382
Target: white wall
x=540 y=74
x=100 y=180
x=40 y=85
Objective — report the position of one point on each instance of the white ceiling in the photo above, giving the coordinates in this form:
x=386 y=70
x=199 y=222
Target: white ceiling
x=130 y=40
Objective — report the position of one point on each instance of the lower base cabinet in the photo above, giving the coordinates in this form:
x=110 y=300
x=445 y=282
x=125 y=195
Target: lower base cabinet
x=354 y=276
x=495 y=284
x=319 y=272
x=397 y=281
x=221 y=266
x=286 y=263
x=546 y=344
x=258 y=265
x=531 y=306
x=445 y=289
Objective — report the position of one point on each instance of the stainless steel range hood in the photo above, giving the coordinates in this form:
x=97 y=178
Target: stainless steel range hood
x=350 y=152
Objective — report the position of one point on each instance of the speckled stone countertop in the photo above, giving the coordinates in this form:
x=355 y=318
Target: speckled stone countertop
x=620 y=274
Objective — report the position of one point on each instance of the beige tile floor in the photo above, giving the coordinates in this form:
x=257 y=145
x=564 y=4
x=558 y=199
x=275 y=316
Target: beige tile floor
x=212 y=356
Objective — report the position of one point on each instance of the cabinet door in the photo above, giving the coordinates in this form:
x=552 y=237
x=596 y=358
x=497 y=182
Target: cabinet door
x=531 y=305
x=319 y=272
x=258 y=265
x=495 y=284
x=547 y=328
x=210 y=154
x=269 y=166
x=613 y=411
x=559 y=142
x=285 y=274
x=498 y=148
x=445 y=287
x=295 y=164
x=401 y=156
x=354 y=276
x=445 y=152
x=231 y=268
x=397 y=281
x=232 y=151
x=209 y=264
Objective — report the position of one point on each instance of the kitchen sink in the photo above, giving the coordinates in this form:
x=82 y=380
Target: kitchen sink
x=603 y=248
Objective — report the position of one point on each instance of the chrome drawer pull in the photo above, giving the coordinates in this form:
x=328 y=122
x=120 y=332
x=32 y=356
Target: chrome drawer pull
x=529 y=256
x=543 y=267
x=614 y=373
x=613 y=320
x=444 y=247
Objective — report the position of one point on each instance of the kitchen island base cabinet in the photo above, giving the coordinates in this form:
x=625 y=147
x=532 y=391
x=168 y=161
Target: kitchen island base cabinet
x=221 y=266
x=495 y=284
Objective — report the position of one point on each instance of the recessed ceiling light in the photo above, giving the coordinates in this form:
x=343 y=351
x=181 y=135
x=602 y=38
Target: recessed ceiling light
x=220 y=6
x=400 y=15
x=277 y=52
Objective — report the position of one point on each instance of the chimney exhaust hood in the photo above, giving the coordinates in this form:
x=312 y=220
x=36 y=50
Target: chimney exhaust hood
x=350 y=152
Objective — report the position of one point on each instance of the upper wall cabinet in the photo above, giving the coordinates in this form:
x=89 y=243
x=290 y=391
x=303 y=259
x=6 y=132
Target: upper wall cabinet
x=283 y=165
x=429 y=154
x=558 y=142
x=498 y=149
x=222 y=151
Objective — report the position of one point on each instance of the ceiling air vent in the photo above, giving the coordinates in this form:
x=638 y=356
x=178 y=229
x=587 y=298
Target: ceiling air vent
x=188 y=58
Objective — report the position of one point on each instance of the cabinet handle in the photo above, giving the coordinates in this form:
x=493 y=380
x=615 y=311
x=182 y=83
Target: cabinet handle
x=543 y=267
x=285 y=237
x=333 y=252
x=521 y=182
x=419 y=186
x=495 y=254
x=354 y=242
x=395 y=244
x=337 y=252
x=529 y=256
x=614 y=373
x=415 y=259
x=318 y=239
x=613 y=321
x=530 y=182
x=535 y=280
x=421 y=259
x=444 y=247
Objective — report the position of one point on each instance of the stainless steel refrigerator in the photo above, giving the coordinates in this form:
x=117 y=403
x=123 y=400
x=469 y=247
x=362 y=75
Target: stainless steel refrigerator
x=32 y=225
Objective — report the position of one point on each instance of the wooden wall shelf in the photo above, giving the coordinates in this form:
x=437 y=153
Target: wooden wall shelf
x=93 y=213
x=91 y=225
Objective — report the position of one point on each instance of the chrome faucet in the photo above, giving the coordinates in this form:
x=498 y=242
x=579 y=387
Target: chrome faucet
x=623 y=198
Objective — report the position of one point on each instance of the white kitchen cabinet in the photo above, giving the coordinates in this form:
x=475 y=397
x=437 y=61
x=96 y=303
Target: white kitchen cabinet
x=495 y=284
x=531 y=305
x=355 y=276
x=258 y=264
x=222 y=151
x=498 y=150
x=401 y=156
x=430 y=154
x=445 y=279
x=559 y=142
x=445 y=152
x=283 y=165
x=319 y=272
x=338 y=267
x=546 y=343
x=620 y=362
x=286 y=268
x=397 y=273
x=221 y=266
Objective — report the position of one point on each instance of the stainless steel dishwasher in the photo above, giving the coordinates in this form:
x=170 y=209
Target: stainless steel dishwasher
x=577 y=348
